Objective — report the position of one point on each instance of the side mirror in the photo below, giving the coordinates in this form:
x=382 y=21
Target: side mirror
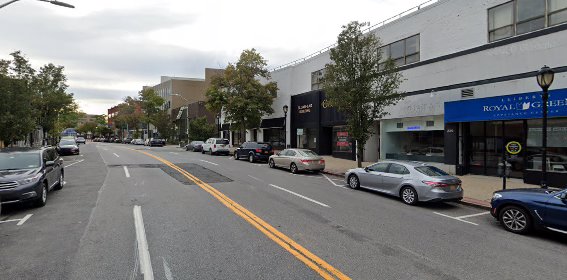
x=366 y=169
x=49 y=163
x=563 y=196
x=278 y=154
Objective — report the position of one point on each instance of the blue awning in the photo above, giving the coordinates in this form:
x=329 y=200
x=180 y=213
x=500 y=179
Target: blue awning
x=507 y=107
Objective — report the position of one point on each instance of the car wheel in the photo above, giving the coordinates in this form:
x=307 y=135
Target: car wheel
x=409 y=195
x=251 y=158
x=42 y=199
x=515 y=219
x=293 y=168
x=211 y=152
x=271 y=163
x=61 y=182
x=203 y=152
x=235 y=156
x=353 y=182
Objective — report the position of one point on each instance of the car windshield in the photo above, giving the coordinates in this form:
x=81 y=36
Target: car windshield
x=222 y=141
x=431 y=171
x=67 y=142
x=308 y=153
x=80 y=138
x=10 y=161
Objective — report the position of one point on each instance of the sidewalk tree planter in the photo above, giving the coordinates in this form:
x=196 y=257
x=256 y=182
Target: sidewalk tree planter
x=359 y=83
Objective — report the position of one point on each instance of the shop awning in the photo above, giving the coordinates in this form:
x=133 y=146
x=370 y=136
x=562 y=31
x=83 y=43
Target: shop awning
x=275 y=122
x=506 y=107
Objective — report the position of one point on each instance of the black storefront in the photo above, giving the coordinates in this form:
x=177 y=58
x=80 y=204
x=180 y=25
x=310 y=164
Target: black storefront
x=481 y=128
x=316 y=126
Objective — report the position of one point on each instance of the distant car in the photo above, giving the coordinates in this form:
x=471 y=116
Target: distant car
x=28 y=174
x=127 y=140
x=195 y=146
x=137 y=142
x=410 y=180
x=67 y=147
x=163 y=142
x=254 y=151
x=520 y=210
x=80 y=140
x=117 y=140
x=215 y=146
x=297 y=160
x=154 y=142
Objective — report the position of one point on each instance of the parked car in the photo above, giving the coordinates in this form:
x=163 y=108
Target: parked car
x=254 y=151
x=215 y=146
x=195 y=146
x=127 y=140
x=117 y=140
x=163 y=142
x=154 y=142
x=28 y=174
x=411 y=181
x=137 y=142
x=67 y=147
x=297 y=160
x=81 y=140
x=520 y=210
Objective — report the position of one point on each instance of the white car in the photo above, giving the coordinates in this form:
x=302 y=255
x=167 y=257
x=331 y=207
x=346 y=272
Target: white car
x=216 y=146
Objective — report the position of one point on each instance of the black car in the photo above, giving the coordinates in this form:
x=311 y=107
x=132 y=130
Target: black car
x=28 y=174
x=254 y=151
x=127 y=140
x=154 y=142
x=195 y=146
x=67 y=147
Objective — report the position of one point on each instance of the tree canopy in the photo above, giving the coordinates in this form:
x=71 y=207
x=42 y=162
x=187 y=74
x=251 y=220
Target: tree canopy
x=359 y=83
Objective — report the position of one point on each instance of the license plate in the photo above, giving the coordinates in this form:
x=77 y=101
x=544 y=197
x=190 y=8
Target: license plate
x=453 y=188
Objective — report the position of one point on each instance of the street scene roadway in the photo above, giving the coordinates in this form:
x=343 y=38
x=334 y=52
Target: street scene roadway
x=134 y=212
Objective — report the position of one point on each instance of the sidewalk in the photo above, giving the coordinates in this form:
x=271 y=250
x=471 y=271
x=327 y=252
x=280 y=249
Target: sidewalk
x=478 y=189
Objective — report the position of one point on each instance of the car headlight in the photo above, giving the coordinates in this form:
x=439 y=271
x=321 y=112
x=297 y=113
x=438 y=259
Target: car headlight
x=30 y=180
x=496 y=196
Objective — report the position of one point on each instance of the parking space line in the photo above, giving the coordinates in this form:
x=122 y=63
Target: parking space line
x=174 y=153
x=73 y=163
x=115 y=154
x=143 y=252
x=302 y=196
x=126 y=172
x=8 y=221
x=473 y=215
x=260 y=180
x=209 y=162
x=23 y=220
x=455 y=218
x=336 y=185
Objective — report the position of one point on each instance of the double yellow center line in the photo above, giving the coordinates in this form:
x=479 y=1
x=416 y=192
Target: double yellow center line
x=311 y=260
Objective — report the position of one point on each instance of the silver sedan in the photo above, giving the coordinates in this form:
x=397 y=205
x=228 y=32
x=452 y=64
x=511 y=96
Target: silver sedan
x=297 y=160
x=411 y=181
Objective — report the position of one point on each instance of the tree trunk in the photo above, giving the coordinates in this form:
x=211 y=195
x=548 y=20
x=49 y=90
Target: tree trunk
x=359 y=153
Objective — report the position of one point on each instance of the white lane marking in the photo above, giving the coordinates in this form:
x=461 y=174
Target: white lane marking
x=473 y=215
x=168 y=274
x=174 y=153
x=455 y=218
x=22 y=221
x=302 y=196
x=126 y=172
x=74 y=163
x=143 y=252
x=310 y=176
x=81 y=155
x=336 y=185
x=8 y=221
x=209 y=162
x=255 y=178
x=115 y=154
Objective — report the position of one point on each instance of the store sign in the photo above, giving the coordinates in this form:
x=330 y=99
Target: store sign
x=300 y=131
x=302 y=109
x=325 y=104
x=513 y=147
x=415 y=127
x=509 y=107
x=342 y=139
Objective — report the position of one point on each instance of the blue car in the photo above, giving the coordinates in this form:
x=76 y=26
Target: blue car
x=520 y=210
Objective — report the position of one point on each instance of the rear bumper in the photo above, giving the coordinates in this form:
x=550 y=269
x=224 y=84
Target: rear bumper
x=441 y=196
x=311 y=167
x=261 y=157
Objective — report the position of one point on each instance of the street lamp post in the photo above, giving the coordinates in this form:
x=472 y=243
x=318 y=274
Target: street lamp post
x=218 y=125
x=54 y=2
x=544 y=80
x=186 y=119
x=285 y=108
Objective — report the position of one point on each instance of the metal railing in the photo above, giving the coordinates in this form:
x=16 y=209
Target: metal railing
x=372 y=27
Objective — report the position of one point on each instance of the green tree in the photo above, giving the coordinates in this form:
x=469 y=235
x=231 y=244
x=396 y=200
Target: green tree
x=87 y=127
x=200 y=129
x=357 y=85
x=150 y=104
x=162 y=121
x=240 y=94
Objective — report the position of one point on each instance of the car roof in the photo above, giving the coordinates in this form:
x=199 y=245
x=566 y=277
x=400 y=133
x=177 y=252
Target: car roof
x=406 y=162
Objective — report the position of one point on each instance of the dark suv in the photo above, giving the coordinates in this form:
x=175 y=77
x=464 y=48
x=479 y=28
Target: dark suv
x=254 y=151
x=27 y=174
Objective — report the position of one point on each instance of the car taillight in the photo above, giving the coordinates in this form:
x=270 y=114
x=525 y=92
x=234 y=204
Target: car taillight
x=305 y=161
x=215 y=146
x=435 y=184
x=258 y=150
x=322 y=161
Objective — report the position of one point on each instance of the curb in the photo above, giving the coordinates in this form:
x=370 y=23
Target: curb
x=466 y=200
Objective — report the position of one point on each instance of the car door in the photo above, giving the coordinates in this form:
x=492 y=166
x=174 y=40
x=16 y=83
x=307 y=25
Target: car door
x=279 y=157
x=555 y=213
x=288 y=158
x=58 y=165
x=372 y=177
x=49 y=170
x=393 y=177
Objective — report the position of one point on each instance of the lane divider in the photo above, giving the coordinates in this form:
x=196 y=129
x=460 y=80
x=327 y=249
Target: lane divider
x=311 y=260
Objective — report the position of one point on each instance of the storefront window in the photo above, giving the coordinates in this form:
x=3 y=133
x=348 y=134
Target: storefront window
x=275 y=136
x=341 y=140
x=427 y=146
x=307 y=138
x=556 y=145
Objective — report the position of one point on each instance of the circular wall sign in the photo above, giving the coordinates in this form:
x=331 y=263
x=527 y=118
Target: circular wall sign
x=513 y=147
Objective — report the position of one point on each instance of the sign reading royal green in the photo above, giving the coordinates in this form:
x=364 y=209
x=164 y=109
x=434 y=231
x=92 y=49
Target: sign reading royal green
x=513 y=147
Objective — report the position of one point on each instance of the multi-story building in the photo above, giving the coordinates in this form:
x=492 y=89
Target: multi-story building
x=470 y=87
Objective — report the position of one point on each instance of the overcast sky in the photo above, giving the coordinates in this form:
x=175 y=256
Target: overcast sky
x=111 y=48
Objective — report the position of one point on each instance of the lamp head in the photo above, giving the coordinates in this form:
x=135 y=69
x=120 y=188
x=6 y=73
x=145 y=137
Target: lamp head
x=545 y=77
x=285 y=108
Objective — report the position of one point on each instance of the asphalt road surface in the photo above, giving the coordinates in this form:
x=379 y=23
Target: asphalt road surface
x=133 y=212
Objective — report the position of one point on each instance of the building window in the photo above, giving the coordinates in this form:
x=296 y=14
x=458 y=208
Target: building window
x=317 y=79
x=399 y=125
x=523 y=16
x=402 y=52
x=341 y=140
